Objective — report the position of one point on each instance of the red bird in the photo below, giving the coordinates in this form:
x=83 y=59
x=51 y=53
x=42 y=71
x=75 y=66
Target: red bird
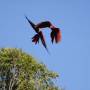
x=55 y=33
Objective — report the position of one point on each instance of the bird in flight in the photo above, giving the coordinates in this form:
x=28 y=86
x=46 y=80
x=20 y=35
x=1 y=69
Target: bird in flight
x=55 y=32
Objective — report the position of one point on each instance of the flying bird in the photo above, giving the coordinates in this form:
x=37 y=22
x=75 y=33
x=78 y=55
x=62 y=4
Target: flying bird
x=55 y=32
x=37 y=36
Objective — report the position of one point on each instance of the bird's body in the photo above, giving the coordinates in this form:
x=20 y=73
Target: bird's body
x=55 y=32
x=43 y=24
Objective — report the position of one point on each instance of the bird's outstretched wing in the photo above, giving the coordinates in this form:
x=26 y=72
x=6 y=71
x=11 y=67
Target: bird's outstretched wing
x=44 y=24
x=32 y=24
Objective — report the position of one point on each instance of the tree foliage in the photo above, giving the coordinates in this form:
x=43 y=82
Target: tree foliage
x=20 y=71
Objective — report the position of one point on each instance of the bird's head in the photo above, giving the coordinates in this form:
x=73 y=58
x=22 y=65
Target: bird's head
x=56 y=35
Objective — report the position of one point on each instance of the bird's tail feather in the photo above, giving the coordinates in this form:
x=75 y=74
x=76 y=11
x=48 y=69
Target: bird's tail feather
x=38 y=36
x=43 y=41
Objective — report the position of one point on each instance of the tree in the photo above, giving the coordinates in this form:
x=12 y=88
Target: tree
x=20 y=71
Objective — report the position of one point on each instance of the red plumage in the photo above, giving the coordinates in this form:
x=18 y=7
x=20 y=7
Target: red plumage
x=55 y=32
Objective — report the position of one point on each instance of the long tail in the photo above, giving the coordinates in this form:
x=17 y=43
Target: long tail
x=38 y=36
x=56 y=35
x=43 y=40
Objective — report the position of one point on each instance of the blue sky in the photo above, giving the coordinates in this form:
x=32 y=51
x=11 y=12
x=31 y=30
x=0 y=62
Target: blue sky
x=71 y=57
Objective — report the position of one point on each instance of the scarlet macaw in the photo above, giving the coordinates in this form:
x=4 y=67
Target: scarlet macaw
x=55 y=33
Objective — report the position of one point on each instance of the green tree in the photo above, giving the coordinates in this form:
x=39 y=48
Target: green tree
x=20 y=71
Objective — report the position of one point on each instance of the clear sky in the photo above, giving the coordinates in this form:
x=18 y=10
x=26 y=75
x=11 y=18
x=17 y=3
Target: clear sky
x=71 y=57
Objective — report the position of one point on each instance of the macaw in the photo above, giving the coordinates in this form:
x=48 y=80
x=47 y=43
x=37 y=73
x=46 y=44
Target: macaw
x=55 y=32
